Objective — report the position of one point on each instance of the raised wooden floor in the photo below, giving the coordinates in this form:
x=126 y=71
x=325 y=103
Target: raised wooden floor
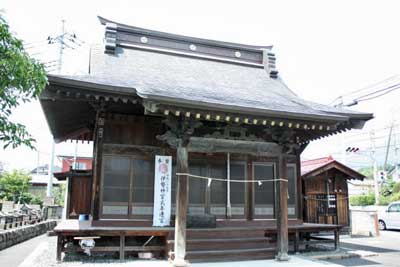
x=207 y=244
x=234 y=243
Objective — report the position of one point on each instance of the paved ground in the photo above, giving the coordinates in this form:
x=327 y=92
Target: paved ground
x=15 y=255
x=387 y=246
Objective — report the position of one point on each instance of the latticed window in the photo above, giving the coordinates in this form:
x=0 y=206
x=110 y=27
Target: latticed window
x=128 y=186
x=116 y=181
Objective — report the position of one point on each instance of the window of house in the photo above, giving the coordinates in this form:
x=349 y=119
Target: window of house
x=116 y=181
x=128 y=186
x=197 y=187
x=238 y=172
x=218 y=188
x=80 y=166
x=292 y=188
x=143 y=181
x=264 y=192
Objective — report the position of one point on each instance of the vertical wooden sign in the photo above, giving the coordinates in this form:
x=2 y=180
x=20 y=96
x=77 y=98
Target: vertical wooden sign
x=162 y=191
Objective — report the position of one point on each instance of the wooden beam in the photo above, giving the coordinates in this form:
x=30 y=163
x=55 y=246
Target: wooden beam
x=215 y=145
x=281 y=208
x=181 y=206
x=68 y=192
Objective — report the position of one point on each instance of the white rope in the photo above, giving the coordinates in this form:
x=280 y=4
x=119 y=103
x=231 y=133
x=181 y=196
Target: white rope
x=318 y=199
x=230 y=180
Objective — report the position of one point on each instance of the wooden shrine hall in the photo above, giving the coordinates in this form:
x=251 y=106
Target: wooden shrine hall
x=326 y=195
x=197 y=147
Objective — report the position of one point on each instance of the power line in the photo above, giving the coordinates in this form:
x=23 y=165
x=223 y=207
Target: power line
x=391 y=87
x=373 y=97
x=372 y=85
x=376 y=130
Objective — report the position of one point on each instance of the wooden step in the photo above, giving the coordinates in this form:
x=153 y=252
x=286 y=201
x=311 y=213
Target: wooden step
x=224 y=243
x=224 y=233
x=230 y=255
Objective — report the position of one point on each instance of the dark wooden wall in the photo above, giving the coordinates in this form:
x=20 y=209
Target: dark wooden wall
x=137 y=135
x=79 y=196
x=316 y=186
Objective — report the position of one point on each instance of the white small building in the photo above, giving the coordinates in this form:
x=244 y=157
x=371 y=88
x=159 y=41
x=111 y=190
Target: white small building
x=360 y=187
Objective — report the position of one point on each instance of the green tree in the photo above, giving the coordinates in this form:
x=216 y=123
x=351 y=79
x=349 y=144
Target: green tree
x=368 y=172
x=59 y=194
x=362 y=200
x=21 y=80
x=14 y=186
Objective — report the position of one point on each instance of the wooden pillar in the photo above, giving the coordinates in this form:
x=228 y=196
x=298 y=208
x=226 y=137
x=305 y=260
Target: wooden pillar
x=181 y=206
x=122 y=246
x=97 y=164
x=249 y=190
x=59 y=247
x=336 y=238
x=282 y=211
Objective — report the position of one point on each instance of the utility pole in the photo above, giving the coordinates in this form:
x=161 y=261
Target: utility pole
x=342 y=138
x=75 y=155
x=373 y=156
x=388 y=146
x=38 y=162
x=50 y=171
x=61 y=45
x=51 y=165
x=396 y=156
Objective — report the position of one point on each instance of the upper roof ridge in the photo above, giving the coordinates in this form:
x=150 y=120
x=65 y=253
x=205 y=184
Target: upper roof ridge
x=122 y=35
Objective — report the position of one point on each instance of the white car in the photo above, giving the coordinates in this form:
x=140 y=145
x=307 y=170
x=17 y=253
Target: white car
x=390 y=218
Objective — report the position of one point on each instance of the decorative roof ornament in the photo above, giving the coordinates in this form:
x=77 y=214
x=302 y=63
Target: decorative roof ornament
x=269 y=60
x=110 y=38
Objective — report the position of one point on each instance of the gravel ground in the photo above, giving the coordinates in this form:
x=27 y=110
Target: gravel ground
x=44 y=255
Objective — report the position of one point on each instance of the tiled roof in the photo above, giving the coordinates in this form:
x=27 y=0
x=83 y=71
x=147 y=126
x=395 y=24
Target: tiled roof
x=311 y=165
x=310 y=168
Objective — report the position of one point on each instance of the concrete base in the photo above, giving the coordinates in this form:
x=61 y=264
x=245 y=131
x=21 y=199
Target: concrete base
x=180 y=263
x=282 y=257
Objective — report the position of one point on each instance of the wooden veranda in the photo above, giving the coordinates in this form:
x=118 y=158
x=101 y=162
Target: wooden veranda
x=223 y=242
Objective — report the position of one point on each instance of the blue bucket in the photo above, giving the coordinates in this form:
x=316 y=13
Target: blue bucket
x=83 y=217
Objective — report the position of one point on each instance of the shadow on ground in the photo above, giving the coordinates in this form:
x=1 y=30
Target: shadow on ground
x=354 y=262
x=365 y=247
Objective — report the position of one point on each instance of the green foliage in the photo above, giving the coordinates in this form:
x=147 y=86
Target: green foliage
x=384 y=200
x=387 y=188
x=14 y=186
x=396 y=188
x=36 y=200
x=389 y=199
x=362 y=200
x=21 y=80
x=59 y=194
x=390 y=192
x=368 y=172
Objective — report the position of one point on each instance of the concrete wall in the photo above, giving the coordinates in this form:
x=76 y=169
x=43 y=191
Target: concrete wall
x=364 y=222
x=14 y=236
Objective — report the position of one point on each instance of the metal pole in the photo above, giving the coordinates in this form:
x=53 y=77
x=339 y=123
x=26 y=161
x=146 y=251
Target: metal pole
x=50 y=172
x=61 y=45
x=38 y=163
x=228 y=185
x=373 y=155
x=342 y=138
x=388 y=147
x=75 y=155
